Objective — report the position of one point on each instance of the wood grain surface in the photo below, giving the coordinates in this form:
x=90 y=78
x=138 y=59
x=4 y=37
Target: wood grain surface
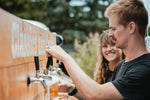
x=19 y=43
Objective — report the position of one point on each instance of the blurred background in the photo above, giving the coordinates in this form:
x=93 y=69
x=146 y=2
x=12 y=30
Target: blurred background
x=80 y=22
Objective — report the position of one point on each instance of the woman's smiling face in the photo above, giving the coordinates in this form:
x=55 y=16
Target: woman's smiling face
x=110 y=52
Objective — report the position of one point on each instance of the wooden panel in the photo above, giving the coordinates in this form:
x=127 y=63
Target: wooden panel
x=41 y=96
x=6 y=21
x=17 y=82
x=19 y=43
x=3 y=84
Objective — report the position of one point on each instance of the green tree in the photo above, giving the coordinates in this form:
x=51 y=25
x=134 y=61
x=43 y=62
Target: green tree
x=61 y=17
x=69 y=20
x=25 y=9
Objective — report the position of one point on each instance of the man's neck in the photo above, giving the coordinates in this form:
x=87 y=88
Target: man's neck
x=135 y=49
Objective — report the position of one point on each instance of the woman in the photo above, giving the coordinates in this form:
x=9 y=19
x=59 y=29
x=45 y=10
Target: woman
x=108 y=57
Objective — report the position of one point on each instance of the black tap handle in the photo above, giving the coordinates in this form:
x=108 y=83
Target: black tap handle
x=62 y=67
x=28 y=80
x=51 y=61
x=36 y=60
x=57 y=61
x=48 y=62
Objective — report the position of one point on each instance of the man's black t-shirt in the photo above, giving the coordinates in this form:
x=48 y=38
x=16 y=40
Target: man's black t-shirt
x=109 y=75
x=132 y=79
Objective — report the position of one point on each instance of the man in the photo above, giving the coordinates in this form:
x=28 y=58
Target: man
x=128 y=20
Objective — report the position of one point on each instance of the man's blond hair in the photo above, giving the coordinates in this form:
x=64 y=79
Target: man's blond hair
x=127 y=11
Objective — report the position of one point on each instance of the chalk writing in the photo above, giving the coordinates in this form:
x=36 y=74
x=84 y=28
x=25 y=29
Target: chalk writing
x=27 y=44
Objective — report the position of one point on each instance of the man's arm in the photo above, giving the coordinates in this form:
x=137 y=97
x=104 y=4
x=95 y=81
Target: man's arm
x=88 y=87
x=79 y=96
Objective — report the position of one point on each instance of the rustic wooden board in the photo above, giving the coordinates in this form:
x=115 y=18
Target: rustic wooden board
x=20 y=41
x=17 y=85
x=3 y=84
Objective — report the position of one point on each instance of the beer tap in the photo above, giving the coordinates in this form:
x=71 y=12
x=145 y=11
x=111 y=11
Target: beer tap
x=49 y=79
x=36 y=60
x=38 y=74
x=51 y=69
x=36 y=80
x=49 y=62
x=38 y=77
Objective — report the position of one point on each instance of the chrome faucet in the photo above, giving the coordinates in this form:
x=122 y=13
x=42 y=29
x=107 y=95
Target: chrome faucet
x=36 y=80
x=38 y=77
x=38 y=74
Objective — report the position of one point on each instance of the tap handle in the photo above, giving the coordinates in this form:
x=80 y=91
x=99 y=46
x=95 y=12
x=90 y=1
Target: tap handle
x=57 y=61
x=48 y=62
x=36 y=60
x=28 y=80
x=51 y=60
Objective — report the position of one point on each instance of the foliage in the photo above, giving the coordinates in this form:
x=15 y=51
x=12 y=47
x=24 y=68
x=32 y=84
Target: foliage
x=149 y=31
x=62 y=17
x=25 y=8
x=68 y=20
x=86 y=54
x=70 y=35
